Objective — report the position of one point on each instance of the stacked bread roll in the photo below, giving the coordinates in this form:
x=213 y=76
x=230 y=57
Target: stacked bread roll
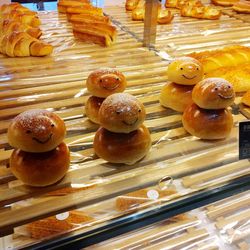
x=101 y=83
x=40 y=158
x=19 y=32
x=184 y=72
x=208 y=117
x=122 y=137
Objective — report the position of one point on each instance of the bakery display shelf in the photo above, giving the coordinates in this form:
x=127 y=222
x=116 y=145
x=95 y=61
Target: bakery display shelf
x=58 y=83
x=185 y=35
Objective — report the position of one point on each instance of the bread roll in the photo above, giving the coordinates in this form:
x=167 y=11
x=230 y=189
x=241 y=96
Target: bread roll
x=121 y=113
x=121 y=147
x=176 y=96
x=104 y=82
x=36 y=131
x=92 y=107
x=40 y=169
x=207 y=124
x=185 y=71
x=213 y=93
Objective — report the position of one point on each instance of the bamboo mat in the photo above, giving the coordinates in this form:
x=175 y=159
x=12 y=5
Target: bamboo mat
x=58 y=83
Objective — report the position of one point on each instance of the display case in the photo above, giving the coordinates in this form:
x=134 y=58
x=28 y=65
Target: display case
x=98 y=200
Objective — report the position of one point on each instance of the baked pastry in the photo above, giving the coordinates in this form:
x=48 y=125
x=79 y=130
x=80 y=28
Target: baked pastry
x=134 y=199
x=228 y=56
x=138 y=13
x=224 y=2
x=86 y=9
x=88 y=18
x=207 y=124
x=92 y=107
x=242 y=6
x=8 y=26
x=164 y=16
x=106 y=81
x=62 y=5
x=7 y=8
x=203 y=12
x=125 y=148
x=246 y=98
x=213 y=93
x=194 y=3
x=40 y=169
x=176 y=96
x=171 y=3
x=36 y=131
x=52 y=226
x=238 y=76
x=121 y=113
x=185 y=71
x=131 y=4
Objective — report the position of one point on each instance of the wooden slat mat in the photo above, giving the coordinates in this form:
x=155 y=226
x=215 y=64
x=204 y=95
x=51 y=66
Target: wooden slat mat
x=58 y=83
x=186 y=34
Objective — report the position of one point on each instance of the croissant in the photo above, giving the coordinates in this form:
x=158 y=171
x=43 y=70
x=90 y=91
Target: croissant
x=22 y=44
x=26 y=18
x=229 y=56
x=164 y=17
x=64 y=4
x=79 y=18
x=7 y=26
x=204 y=12
x=131 y=4
x=242 y=6
x=7 y=8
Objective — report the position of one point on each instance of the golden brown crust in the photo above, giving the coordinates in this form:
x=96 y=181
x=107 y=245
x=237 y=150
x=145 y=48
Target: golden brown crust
x=242 y=6
x=121 y=113
x=92 y=107
x=131 y=4
x=120 y=147
x=88 y=18
x=85 y=10
x=40 y=169
x=164 y=17
x=224 y=2
x=185 y=71
x=36 y=131
x=106 y=81
x=176 y=96
x=51 y=226
x=213 y=93
x=207 y=124
x=134 y=199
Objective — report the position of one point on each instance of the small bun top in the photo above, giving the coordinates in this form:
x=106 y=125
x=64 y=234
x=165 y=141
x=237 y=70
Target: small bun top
x=121 y=113
x=185 y=71
x=213 y=93
x=105 y=82
x=36 y=131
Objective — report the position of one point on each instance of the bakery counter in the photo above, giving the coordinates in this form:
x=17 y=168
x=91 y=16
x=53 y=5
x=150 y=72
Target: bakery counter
x=96 y=196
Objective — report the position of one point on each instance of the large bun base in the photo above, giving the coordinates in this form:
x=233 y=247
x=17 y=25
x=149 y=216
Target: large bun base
x=92 y=107
x=40 y=169
x=120 y=147
x=207 y=124
x=176 y=96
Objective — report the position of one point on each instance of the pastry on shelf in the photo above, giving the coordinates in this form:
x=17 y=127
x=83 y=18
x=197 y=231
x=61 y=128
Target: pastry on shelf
x=184 y=73
x=40 y=158
x=88 y=18
x=21 y=44
x=242 y=6
x=122 y=137
x=57 y=224
x=7 y=8
x=203 y=12
x=62 y=5
x=101 y=83
x=89 y=9
x=228 y=56
x=208 y=117
x=224 y=2
x=164 y=17
x=134 y=199
x=180 y=3
x=131 y=4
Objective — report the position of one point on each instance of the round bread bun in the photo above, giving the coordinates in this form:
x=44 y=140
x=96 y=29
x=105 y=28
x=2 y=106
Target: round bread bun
x=213 y=93
x=92 y=107
x=121 y=113
x=176 y=96
x=246 y=98
x=185 y=71
x=40 y=169
x=207 y=124
x=36 y=131
x=105 y=82
x=120 y=147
